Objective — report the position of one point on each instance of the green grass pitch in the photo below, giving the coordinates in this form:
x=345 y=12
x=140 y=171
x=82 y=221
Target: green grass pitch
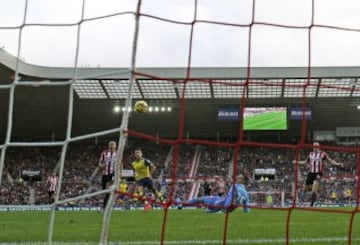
x=266 y=121
x=260 y=226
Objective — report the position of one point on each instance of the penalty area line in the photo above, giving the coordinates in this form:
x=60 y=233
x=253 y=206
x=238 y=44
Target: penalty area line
x=243 y=241
x=201 y=242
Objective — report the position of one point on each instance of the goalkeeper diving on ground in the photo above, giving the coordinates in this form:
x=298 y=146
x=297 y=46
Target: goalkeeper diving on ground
x=237 y=196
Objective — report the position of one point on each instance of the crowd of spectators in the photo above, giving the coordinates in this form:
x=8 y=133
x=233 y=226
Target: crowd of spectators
x=213 y=166
x=80 y=162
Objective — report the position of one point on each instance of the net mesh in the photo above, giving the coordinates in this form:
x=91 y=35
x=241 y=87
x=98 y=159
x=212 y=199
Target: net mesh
x=189 y=169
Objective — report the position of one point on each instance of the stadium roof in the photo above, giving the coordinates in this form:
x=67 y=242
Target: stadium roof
x=216 y=82
x=219 y=88
x=332 y=93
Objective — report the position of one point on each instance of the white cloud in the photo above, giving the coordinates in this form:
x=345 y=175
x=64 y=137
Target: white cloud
x=274 y=46
x=50 y=12
x=338 y=13
x=179 y=10
x=11 y=13
x=337 y=48
x=49 y=46
x=229 y=11
x=107 y=41
x=220 y=45
x=284 y=12
x=97 y=8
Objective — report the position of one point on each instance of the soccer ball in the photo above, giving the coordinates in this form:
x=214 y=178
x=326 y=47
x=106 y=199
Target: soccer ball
x=141 y=106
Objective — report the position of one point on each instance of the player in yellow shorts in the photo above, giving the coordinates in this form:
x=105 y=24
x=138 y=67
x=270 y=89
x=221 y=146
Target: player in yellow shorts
x=144 y=169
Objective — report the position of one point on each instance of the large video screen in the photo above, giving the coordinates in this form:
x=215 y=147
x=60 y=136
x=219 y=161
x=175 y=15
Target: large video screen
x=265 y=118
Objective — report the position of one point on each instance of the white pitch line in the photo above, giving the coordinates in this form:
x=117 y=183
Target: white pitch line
x=201 y=242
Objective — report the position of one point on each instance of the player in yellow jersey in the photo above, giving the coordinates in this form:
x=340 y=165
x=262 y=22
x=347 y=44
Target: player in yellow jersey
x=123 y=186
x=348 y=196
x=144 y=169
x=333 y=196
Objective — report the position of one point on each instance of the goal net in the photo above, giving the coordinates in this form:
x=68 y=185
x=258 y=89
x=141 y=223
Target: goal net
x=234 y=88
x=267 y=199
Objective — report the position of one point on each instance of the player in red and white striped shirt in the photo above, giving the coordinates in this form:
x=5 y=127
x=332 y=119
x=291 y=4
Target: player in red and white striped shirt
x=316 y=159
x=107 y=165
x=52 y=186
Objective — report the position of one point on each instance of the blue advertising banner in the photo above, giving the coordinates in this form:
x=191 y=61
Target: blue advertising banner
x=296 y=113
x=228 y=114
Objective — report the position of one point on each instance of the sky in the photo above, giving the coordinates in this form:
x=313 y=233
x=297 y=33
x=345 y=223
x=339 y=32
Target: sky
x=49 y=31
